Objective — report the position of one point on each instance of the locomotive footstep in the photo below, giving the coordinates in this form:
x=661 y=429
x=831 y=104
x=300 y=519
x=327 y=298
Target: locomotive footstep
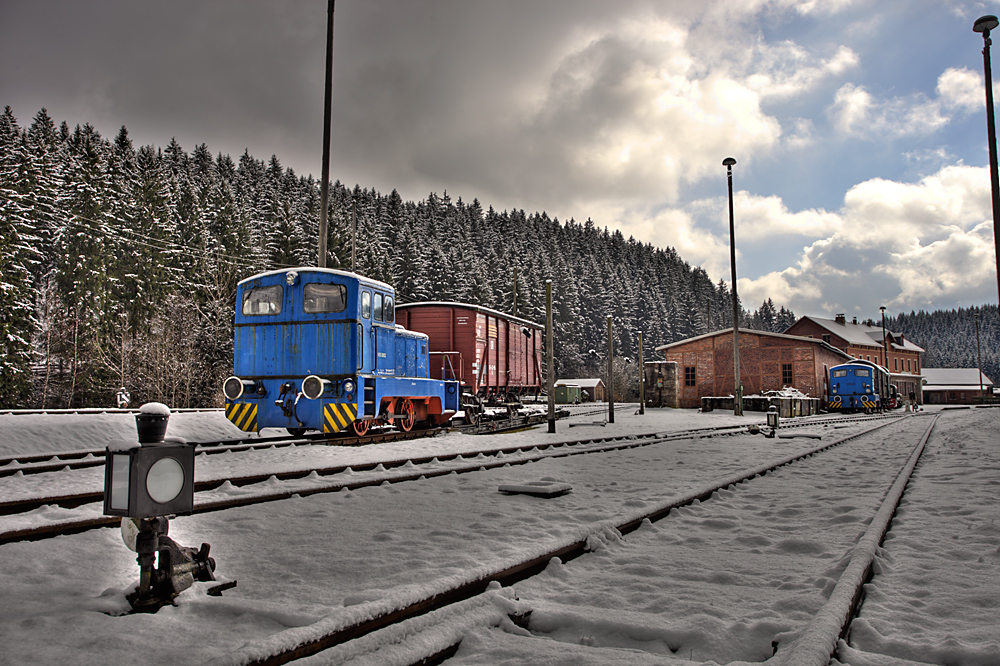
x=543 y=488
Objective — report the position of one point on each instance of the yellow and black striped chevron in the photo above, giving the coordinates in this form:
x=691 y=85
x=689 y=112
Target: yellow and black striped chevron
x=337 y=416
x=868 y=402
x=835 y=402
x=243 y=414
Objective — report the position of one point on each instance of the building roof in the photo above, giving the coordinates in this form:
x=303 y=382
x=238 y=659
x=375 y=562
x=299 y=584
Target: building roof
x=953 y=379
x=582 y=383
x=743 y=331
x=862 y=334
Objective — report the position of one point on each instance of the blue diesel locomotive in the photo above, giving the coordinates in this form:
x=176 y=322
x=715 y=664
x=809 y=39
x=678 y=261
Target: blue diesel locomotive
x=858 y=386
x=319 y=349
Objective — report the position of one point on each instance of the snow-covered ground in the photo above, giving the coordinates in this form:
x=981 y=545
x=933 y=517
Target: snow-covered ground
x=315 y=562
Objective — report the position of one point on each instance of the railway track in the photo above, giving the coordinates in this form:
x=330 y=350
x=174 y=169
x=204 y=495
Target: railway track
x=58 y=461
x=483 y=594
x=314 y=480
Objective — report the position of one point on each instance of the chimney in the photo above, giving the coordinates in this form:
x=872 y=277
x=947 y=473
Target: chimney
x=855 y=322
x=840 y=319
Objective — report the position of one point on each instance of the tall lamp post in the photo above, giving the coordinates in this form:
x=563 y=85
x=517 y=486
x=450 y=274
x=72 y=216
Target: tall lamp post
x=885 y=341
x=738 y=386
x=984 y=24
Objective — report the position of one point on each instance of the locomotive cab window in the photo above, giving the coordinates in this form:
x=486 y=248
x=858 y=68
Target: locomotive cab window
x=377 y=316
x=366 y=304
x=263 y=300
x=389 y=312
x=861 y=372
x=840 y=373
x=318 y=297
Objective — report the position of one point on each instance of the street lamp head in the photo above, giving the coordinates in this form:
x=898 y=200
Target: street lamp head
x=882 y=308
x=729 y=162
x=985 y=23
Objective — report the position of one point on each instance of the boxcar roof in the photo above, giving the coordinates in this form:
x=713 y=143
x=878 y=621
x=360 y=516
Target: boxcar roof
x=469 y=306
x=331 y=271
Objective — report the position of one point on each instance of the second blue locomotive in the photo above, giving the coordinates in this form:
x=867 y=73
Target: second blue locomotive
x=859 y=386
x=319 y=349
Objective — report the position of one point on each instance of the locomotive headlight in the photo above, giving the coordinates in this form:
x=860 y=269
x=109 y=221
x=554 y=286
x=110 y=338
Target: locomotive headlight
x=234 y=387
x=313 y=387
x=290 y=278
x=348 y=386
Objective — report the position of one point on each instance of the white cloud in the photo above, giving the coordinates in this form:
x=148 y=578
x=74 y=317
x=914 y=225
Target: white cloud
x=915 y=244
x=856 y=112
x=784 y=69
x=961 y=88
x=635 y=111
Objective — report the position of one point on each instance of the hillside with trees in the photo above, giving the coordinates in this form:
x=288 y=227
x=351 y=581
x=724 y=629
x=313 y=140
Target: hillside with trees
x=120 y=266
x=949 y=336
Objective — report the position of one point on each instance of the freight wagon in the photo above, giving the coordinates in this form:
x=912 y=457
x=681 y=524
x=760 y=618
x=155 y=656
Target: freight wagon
x=496 y=357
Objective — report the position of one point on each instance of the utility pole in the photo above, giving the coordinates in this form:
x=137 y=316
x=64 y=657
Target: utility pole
x=642 y=379
x=354 y=235
x=611 y=374
x=550 y=379
x=325 y=185
x=514 y=306
x=982 y=391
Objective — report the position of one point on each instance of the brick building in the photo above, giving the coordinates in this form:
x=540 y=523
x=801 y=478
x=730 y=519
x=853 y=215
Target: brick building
x=866 y=342
x=768 y=362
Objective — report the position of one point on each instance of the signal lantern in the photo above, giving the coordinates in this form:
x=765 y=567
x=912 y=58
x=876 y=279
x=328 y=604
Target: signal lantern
x=151 y=478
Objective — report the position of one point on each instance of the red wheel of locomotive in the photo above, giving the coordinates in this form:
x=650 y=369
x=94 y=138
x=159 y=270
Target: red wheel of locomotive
x=406 y=415
x=360 y=427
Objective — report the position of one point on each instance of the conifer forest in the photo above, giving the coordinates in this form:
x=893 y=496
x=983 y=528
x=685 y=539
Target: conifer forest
x=120 y=265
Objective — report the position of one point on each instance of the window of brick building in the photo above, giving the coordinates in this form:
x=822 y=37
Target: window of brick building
x=786 y=373
x=826 y=338
x=689 y=376
x=907 y=365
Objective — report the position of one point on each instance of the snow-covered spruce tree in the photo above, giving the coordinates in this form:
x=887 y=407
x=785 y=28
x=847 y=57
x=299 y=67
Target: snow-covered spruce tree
x=19 y=257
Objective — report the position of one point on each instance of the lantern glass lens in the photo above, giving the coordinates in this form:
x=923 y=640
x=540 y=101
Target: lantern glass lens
x=165 y=480
x=119 y=482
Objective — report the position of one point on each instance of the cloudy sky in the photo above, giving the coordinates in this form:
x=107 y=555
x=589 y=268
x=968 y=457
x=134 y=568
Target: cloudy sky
x=858 y=126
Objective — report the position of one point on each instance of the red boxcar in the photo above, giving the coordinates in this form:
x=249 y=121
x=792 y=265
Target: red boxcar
x=495 y=356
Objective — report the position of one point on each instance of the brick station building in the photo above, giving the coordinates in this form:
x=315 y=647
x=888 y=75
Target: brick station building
x=768 y=362
x=865 y=342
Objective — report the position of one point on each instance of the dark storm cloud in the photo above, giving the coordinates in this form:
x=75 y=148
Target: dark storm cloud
x=231 y=74
x=429 y=93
